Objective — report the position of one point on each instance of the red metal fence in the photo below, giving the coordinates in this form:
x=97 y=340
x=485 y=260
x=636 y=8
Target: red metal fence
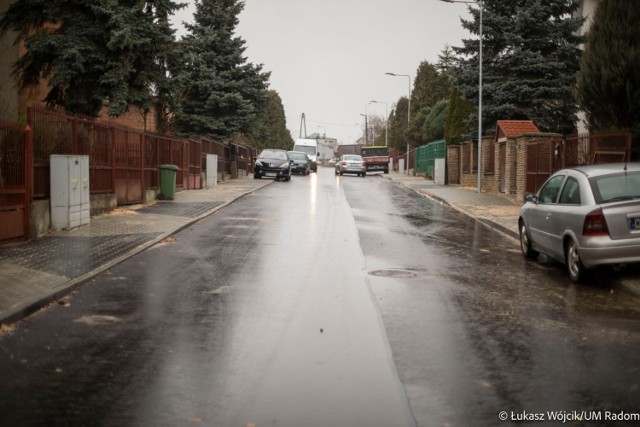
x=546 y=156
x=121 y=160
x=15 y=182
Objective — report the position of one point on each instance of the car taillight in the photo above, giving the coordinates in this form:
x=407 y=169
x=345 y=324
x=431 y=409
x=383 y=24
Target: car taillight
x=595 y=224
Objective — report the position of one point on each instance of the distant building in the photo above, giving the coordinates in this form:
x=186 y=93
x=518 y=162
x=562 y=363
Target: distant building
x=9 y=92
x=326 y=146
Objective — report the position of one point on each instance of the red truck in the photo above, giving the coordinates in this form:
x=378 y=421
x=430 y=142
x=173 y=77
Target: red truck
x=376 y=158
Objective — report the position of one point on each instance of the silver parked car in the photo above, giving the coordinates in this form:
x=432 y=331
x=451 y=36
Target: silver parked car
x=351 y=163
x=585 y=217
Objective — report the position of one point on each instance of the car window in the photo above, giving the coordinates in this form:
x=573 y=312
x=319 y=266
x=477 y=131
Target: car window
x=298 y=156
x=549 y=193
x=620 y=186
x=370 y=152
x=570 y=192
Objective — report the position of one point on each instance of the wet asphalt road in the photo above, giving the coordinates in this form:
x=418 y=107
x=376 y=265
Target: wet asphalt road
x=326 y=301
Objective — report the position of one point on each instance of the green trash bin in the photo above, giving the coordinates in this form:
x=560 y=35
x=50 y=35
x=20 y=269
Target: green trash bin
x=167 y=181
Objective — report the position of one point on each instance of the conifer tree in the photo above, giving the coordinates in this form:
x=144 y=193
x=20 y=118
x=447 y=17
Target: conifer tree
x=429 y=87
x=225 y=92
x=457 y=128
x=397 y=129
x=270 y=127
x=609 y=81
x=91 y=51
x=530 y=62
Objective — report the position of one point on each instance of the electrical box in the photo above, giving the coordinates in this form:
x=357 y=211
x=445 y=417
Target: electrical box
x=70 y=202
x=439 y=171
x=212 y=170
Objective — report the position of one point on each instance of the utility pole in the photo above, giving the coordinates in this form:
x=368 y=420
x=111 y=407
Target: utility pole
x=303 y=121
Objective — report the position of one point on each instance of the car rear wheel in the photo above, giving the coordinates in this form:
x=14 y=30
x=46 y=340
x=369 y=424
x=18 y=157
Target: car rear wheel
x=256 y=176
x=525 y=242
x=575 y=268
x=364 y=174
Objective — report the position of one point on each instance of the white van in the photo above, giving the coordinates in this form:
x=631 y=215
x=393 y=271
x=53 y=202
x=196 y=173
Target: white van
x=309 y=146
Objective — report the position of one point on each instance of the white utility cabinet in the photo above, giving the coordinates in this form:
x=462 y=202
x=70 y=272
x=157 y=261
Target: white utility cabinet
x=438 y=172
x=70 y=203
x=212 y=170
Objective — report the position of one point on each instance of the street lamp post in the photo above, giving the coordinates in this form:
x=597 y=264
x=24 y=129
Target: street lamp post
x=479 y=3
x=408 y=111
x=366 y=129
x=386 y=115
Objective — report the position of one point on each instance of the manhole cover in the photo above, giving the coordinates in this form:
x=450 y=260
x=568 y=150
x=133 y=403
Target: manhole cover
x=397 y=274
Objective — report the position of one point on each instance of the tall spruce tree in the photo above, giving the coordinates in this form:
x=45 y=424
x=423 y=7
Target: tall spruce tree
x=530 y=62
x=609 y=81
x=397 y=129
x=457 y=128
x=92 y=51
x=429 y=87
x=225 y=92
x=270 y=127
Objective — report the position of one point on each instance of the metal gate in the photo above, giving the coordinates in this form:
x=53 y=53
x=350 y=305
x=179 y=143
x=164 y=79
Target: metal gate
x=15 y=181
x=426 y=155
x=539 y=163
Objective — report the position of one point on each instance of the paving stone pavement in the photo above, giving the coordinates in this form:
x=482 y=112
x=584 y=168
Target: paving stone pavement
x=497 y=211
x=42 y=270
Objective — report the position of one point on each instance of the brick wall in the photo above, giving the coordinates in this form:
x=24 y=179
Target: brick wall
x=520 y=175
x=490 y=181
x=133 y=119
x=453 y=164
x=515 y=165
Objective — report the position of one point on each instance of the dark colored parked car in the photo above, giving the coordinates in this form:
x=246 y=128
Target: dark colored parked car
x=273 y=163
x=585 y=217
x=301 y=162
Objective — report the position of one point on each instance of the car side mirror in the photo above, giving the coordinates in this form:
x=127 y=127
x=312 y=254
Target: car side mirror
x=530 y=197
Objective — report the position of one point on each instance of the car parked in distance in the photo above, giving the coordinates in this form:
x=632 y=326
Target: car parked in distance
x=351 y=163
x=301 y=162
x=585 y=217
x=273 y=163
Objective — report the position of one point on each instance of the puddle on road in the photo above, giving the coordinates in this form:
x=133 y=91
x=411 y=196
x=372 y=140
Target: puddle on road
x=394 y=274
x=97 y=320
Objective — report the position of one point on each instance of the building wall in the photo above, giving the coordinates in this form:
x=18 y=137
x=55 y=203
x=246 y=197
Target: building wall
x=326 y=147
x=9 y=94
x=15 y=101
x=133 y=119
x=521 y=166
x=453 y=164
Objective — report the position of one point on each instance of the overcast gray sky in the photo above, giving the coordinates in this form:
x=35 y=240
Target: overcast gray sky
x=328 y=58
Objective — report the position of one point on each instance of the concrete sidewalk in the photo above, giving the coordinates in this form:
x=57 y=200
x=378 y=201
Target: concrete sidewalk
x=499 y=212
x=496 y=211
x=37 y=272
